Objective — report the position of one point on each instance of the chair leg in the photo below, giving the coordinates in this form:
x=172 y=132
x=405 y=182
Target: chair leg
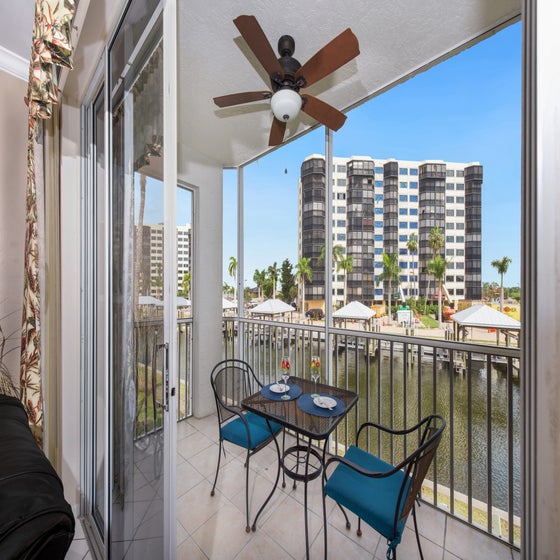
x=416 y=531
x=218 y=467
x=348 y=524
x=324 y=519
x=247 y=526
x=359 y=529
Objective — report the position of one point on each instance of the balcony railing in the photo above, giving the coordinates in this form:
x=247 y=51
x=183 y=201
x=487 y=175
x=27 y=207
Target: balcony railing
x=400 y=379
x=147 y=336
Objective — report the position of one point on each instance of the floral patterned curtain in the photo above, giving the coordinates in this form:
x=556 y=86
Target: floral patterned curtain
x=51 y=48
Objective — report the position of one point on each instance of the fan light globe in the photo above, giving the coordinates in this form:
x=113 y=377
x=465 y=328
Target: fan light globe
x=285 y=104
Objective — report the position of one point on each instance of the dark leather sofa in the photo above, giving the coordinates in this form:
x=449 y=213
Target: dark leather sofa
x=36 y=522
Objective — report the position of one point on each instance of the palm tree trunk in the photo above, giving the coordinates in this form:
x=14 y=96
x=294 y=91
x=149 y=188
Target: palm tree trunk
x=502 y=293
x=389 y=314
x=439 y=307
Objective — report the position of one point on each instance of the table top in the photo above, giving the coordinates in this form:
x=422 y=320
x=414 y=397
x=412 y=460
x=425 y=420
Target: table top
x=289 y=414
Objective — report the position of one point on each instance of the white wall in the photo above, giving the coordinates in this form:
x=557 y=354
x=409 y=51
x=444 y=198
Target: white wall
x=13 y=172
x=205 y=176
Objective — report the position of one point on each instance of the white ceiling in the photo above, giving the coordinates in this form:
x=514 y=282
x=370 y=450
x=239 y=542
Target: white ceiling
x=397 y=38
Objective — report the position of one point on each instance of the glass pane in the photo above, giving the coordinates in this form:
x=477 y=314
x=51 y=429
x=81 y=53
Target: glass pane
x=137 y=292
x=100 y=344
x=184 y=299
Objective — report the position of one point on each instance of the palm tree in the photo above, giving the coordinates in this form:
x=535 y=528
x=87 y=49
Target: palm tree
x=412 y=246
x=391 y=271
x=435 y=241
x=273 y=275
x=346 y=265
x=437 y=267
x=337 y=256
x=337 y=253
x=232 y=271
x=303 y=272
x=259 y=277
x=501 y=265
x=185 y=285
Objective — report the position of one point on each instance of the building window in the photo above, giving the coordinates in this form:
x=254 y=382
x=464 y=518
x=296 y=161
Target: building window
x=460 y=200
x=403 y=185
x=378 y=237
x=340 y=223
x=450 y=212
x=413 y=198
x=403 y=171
x=341 y=168
x=450 y=199
x=413 y=211
x=450 y=173
x=403 y=238
x=413 y=225
x=460 y=186
x=379 y=170
x=378 y=210
x=403 y=225
x=449 y=239
x=378 y=265
x=341 y=196
x=460 y=174
x=403 y=211
x=450 y=186
x=403 y=198
x=378 y=251
x=413 y=184
x=341 y=182
x=340 y=237
x=378 y=183
x=377 y=224
x=460 y=239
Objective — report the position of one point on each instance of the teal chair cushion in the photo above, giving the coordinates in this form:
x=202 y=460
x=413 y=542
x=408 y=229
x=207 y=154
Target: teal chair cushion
x=374 y=500
x=236 y=432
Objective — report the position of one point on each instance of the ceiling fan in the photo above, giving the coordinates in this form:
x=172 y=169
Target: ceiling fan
x=288 y=77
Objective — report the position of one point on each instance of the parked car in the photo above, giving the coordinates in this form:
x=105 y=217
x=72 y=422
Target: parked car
x=315 y=313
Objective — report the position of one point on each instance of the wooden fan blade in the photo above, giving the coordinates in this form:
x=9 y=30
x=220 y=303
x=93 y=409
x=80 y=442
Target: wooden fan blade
x=253 y=34
x=277 y=131
x=331 y=57
x=323 y=112
x=239 y=98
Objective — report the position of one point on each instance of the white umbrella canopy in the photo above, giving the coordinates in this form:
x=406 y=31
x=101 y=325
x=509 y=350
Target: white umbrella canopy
x=354 y=310
x=271 y=307
x=484 y=316
x=227 y=304
x=183 y=302
x=149 y=300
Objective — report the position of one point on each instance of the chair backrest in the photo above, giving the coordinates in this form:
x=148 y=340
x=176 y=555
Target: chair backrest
x=416 y=465
x=232 y=380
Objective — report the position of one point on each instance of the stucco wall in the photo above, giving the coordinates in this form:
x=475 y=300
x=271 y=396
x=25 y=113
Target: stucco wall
x=13 y=157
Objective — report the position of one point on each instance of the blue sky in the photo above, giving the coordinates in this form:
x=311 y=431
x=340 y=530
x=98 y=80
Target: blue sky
x=465 y=109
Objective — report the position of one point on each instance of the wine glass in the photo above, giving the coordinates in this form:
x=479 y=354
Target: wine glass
x=315 y=372
x=285 y=367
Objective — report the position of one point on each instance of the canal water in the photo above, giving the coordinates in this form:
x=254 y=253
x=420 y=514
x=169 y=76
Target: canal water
x=482 y=433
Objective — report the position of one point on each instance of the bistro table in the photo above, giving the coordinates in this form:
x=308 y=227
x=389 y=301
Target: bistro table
x=302 y=462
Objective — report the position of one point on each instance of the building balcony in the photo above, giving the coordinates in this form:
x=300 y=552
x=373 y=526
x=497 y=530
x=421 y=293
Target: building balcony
x=470 y=500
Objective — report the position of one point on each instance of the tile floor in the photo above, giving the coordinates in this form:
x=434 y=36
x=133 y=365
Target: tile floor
x=213 y=527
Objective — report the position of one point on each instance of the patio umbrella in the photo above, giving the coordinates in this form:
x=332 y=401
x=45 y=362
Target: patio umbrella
x=149 y=300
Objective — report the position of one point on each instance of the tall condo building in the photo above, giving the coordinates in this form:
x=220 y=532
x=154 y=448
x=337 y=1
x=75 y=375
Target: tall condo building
x=151 y=261
x=377 y=205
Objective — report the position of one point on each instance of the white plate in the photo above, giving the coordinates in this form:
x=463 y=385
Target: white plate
x=279 y=388
x=325 y=402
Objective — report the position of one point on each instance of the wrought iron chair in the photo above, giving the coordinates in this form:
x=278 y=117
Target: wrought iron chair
x=378 y=492
x=233 y=380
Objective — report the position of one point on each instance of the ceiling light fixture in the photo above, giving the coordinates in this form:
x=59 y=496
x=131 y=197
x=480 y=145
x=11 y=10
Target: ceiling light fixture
x=285 y=104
